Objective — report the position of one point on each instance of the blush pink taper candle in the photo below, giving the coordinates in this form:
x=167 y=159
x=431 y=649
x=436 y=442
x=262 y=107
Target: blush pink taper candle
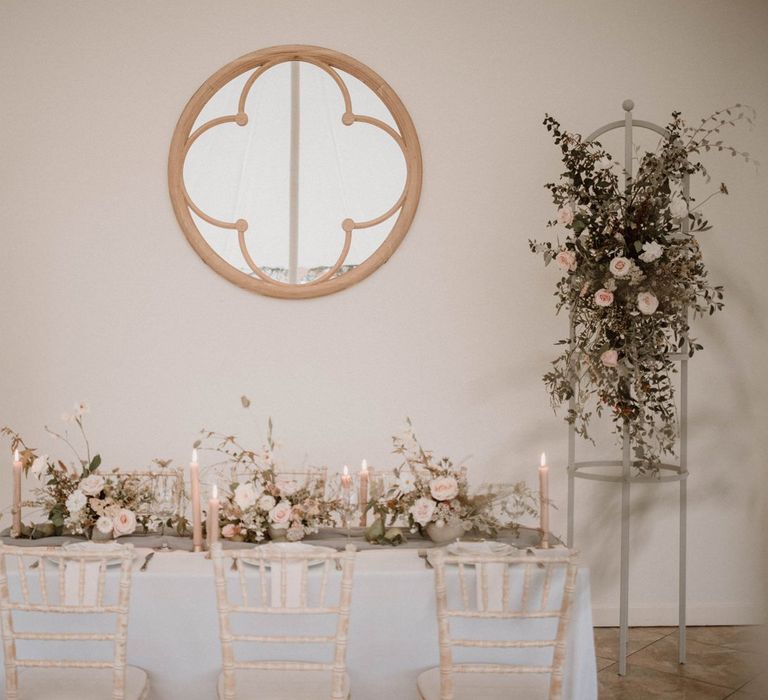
x=197 y=515
x=544 y=500
x=16 y=511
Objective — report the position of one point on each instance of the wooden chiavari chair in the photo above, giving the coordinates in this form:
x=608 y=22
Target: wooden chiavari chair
x=534 y=589
x=48 y=584
x=248 y=589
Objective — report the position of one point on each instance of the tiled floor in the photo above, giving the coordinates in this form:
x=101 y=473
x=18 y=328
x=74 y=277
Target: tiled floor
x=722 y=662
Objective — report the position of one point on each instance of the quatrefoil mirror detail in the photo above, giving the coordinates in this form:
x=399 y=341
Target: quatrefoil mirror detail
x=295 y=171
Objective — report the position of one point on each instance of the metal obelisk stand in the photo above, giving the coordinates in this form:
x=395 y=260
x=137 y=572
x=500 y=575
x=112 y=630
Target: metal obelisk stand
x=679 y=472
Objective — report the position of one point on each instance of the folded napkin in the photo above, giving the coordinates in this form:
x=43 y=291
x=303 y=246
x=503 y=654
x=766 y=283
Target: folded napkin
x=493 y=573
x=90 y=571
x=293 y=571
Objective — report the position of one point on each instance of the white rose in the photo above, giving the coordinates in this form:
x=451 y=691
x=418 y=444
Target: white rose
x=444 y=488
x=281 y=513
x=266 y=502
x=287 y=486
x=565 y=215
x=678 y=207
x=620 y=267
x=105 y=525
x=75 y=501
x=125 y=522
x=610 y=358
x=39 y=466
x=647 y=303
x=92 y=485
x=423 y=510
x=566 y=260
x=246 y=495
x=603 y=297
x=651 y=251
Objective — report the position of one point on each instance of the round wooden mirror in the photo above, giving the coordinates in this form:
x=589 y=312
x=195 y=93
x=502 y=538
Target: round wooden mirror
x=295 y=171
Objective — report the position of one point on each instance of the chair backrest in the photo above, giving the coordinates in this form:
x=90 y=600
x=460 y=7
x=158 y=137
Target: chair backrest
x=52 y=580
x=527 y=589
x=258 y=587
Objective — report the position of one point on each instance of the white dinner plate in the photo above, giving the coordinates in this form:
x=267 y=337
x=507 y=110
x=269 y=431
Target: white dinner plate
x=100 y=548
x=276 y=548
x=487 y=547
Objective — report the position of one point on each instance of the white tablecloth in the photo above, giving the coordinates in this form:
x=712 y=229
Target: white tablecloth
x=173 y=631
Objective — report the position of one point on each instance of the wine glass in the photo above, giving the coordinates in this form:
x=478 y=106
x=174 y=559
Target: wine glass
x=165 y=503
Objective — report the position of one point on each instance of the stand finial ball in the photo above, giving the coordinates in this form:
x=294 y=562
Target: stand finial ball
x=627 y=105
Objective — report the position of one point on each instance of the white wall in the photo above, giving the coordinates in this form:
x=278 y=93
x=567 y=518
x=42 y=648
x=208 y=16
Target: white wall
x=103 y=299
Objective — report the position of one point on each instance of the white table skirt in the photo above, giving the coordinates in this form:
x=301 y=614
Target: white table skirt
x=173 y=632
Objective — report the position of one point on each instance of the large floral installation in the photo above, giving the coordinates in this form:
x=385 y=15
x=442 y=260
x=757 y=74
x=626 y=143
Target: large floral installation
x=631 y=277
x=427 y=491
x=260 y=501
x=76 y=496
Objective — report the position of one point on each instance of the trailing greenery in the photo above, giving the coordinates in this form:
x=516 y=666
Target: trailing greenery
x=632 y=276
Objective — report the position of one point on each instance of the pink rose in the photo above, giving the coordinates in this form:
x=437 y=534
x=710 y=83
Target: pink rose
x=620 y=267
x=281 y=513
x=230 y=530
x=603 y=297
x=444 y=488
x=422 y=510
x=610 y=358
x=125 y=522
x=566 y=260
x=565 y=215
x=647 y=303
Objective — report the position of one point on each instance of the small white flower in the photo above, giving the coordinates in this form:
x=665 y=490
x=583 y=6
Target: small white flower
x=678 y=207
x=610 y=285
x=647 y=303
x=75 y=501
x=406 y=482
x=620 y=266
x=81 y=408
x=651 y=251
x=610 y=358
x=266 y=502
x=105 y=525
x=92 y=485
x=565 y=215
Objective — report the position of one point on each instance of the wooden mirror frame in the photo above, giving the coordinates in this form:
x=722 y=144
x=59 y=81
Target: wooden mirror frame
x=327 y=60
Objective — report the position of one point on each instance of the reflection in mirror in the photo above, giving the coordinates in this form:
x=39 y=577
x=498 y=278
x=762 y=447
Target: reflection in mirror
x=295 y=173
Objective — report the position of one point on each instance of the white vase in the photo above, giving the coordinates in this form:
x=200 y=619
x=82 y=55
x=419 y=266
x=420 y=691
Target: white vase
x=444 y=534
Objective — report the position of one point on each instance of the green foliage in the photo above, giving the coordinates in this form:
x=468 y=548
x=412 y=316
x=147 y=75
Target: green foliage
x=633 y=274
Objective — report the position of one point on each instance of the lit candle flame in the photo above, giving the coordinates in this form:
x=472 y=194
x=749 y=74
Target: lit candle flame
x=16 y=457
x=364 y=467
x=543 y=459
x=194 y=455
x=346 y=470
x=215 y=492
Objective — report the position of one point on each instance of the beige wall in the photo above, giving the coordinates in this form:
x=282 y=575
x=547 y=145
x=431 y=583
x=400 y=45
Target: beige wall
x=103 y=299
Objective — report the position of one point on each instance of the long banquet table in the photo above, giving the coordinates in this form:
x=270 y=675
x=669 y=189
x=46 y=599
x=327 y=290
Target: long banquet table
x=173 y=629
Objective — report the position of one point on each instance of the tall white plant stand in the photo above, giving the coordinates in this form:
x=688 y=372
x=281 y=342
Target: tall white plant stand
x=620 y=471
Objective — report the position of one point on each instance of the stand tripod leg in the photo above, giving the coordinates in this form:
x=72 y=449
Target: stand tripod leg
x=624 y=589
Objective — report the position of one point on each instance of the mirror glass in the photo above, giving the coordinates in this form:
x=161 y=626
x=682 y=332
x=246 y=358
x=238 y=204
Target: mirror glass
x=294 y=174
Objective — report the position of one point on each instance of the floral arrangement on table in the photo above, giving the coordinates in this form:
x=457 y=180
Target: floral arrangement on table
x=76 y=497
x=432 y=496
x=630 y=274
x=261 y=502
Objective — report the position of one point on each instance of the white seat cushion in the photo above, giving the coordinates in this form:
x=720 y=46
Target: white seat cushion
x=486 y=686
x=79 y=683
x=283 y=685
